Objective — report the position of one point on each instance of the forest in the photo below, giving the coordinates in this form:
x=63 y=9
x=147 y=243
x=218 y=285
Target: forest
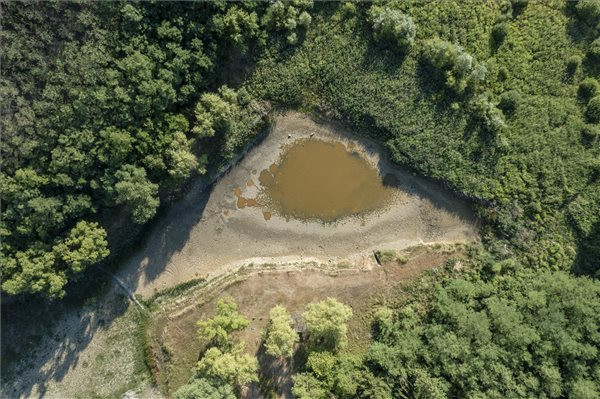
x=111 y=109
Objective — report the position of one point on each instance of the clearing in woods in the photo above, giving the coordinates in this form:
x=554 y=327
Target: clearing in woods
x=239 y=221
x=173 y=331
x=212 y=233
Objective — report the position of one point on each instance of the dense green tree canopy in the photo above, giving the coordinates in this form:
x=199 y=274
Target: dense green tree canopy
x=523 y=335
x=99 y=100
x=533 y=335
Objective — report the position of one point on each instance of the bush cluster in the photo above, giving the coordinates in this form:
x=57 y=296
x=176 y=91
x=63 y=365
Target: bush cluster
x=593 y=110
x=589 y=88
x=460 y=69
x=393 y=26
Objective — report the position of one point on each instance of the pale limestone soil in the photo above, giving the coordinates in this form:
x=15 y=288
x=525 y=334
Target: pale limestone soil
x=205 y=235
x=88 y=351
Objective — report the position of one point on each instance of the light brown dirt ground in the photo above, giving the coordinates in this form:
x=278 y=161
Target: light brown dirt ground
x=175 y=346
x=205 y=235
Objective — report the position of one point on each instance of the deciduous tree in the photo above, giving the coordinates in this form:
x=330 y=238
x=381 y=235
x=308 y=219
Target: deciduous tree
x=280 y=335
x=233 y=367
x=393 y=26
x=227 y=319
x=202 y=388
x=326 y=323
x=137 y=192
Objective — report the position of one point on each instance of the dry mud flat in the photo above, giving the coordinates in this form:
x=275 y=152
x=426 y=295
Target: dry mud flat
x=212 y=233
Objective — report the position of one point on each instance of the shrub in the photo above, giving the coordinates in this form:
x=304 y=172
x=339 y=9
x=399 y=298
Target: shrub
x=215 y=113
x=459 y=68
x=389 y=255
x=386 y=255
x=588 y=11
x=594 y=50
x=229 y=114
x=217 y=331
x=292 y=38
x=288 y=17
x=134 y=189
x=238 y=26
x=234 y=367
x=348 y=9
x=593 y=110
x=393 y=26
x=573 y=63
x=503 y=74
x=304 y=19
x=464 y=64
x=590 y=133
x=589 y=88
x=280 y=335
x=338 y=374
x=202 y=388
x=488 y=114
x=307 y=386
x=440 y=53
x=326 y=323
x=510 y=100
x=519 y=5
x=499 y=32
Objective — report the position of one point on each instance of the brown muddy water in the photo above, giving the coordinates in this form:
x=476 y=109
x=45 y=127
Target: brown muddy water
x=316 y=179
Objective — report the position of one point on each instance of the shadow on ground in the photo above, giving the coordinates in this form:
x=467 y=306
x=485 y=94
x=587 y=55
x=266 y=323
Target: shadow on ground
x=41 y=341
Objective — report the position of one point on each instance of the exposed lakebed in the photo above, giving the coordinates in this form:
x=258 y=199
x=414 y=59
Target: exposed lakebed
x=308 y=192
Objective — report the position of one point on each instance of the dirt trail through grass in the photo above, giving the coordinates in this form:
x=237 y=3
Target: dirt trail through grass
x=208 y=234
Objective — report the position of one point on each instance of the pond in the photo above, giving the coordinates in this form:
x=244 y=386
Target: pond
x=317 y=179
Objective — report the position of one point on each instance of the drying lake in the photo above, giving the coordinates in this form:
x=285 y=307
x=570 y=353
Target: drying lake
x=308 y=192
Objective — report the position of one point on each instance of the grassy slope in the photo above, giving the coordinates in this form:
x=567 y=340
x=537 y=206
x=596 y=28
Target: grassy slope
x=91 y=350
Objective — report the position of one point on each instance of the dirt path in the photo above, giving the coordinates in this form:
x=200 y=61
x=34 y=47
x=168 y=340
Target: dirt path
x=205 y=235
